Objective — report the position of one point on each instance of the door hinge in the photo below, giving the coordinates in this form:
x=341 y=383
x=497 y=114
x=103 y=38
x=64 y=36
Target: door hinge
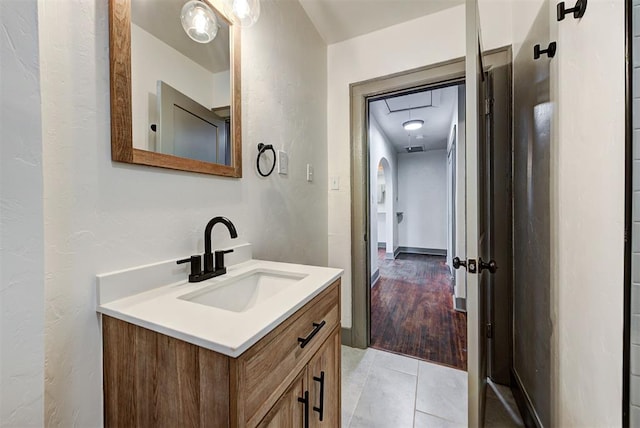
x=365 y=237
x=488 y=102
x=489 y=331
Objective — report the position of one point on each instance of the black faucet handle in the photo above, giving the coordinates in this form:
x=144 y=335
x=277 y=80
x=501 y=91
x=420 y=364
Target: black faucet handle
x=219 y=258
x=196 y=264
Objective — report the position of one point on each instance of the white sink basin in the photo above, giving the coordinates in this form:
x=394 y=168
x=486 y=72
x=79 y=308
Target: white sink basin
x=243 y=292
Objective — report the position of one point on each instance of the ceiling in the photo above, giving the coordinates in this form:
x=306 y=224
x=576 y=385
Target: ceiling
x=338 y=20
x=436 y=107
x=161 y=18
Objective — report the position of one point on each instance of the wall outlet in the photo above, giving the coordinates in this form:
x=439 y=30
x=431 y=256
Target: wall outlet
x=283 y=162
x=309 y=172
x=335 y=183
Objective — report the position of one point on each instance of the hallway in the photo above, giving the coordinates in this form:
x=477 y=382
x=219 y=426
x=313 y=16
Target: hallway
x=412 y=311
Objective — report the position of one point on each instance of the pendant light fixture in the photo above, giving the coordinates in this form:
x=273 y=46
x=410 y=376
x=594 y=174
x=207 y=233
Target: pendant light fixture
x=247 y=12
x=199 y=21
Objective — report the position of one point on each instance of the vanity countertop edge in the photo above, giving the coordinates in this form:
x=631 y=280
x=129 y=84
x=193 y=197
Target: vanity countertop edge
x=230 y=333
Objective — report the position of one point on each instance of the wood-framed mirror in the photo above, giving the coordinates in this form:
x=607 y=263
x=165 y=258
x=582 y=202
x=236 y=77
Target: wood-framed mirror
x=175 y=103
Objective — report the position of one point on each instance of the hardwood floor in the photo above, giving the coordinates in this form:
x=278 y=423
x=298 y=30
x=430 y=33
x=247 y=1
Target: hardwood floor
x=412 y=311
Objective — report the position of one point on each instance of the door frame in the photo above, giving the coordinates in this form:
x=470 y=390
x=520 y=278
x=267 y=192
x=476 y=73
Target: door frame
x=435 y=75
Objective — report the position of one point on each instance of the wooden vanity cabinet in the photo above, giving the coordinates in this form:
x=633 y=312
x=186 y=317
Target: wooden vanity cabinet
x=314 y=394
x=323 y=377
x=289 y=410
x=155 y=380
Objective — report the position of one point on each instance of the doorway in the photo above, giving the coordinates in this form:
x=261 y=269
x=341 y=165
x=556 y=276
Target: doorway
x=486 y=337
x=411 y=141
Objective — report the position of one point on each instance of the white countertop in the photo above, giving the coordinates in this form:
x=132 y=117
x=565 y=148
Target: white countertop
x=231 y=333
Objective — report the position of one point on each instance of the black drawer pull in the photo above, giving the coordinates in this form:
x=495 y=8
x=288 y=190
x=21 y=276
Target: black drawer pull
x=304 y=341
x=320 y=409
x=305 y=401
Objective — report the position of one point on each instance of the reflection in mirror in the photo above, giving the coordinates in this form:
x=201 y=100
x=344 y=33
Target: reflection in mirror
x=175 y=103
x=180 y=88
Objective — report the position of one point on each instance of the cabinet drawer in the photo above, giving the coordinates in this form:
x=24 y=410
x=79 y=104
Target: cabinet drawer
x=265 y=370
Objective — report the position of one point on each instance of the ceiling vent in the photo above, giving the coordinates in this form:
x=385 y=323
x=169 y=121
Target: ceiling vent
x=414 y=149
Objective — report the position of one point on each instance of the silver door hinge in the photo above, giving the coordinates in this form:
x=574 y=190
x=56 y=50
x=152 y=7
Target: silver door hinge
x=488 y=102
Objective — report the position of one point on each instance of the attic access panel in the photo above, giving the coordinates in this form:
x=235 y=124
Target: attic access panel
x=413 y=101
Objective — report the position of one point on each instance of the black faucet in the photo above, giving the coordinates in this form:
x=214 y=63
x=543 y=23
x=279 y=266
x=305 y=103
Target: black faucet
x=210 y=270
x=208 y=257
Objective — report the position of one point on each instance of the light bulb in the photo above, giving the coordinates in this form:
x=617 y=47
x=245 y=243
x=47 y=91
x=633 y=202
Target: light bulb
x=241 y=8
x=199 y=21
x=247 y=11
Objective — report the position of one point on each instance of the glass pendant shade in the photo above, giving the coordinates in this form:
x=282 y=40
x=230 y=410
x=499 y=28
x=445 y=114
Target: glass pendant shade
x=412 y=125
x=199 y=21
x=247 y=11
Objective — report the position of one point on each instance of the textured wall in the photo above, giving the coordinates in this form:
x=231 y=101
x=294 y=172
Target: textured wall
x=21 y=228
x=587 y=227
x=584 y=226
x=398 y=48
x=101 y=216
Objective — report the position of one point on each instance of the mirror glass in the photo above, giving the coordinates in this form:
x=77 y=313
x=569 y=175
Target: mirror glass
x=175 y=102
x=180 y=88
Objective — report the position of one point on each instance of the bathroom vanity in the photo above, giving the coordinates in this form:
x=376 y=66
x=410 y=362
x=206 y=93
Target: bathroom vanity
x=259 y=346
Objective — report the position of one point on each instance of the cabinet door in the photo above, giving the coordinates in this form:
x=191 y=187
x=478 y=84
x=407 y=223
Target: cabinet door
x=289 y=411
x=324 y=384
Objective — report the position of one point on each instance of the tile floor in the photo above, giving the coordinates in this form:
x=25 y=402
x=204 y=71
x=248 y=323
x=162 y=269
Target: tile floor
x=385 y=390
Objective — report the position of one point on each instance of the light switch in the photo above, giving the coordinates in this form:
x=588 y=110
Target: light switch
x=283 y=162
x=335 y=183
x=309 y=172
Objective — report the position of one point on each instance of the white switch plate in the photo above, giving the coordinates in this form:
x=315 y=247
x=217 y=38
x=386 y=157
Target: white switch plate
x=283 y=162
x=335 y=183
x=309 y=172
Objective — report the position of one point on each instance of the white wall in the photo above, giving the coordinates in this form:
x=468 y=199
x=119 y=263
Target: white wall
x=153 y=60
x=21 y=224
x=456 y=214
x=461 y=196
x=587 y=218
x=422 y=197
x=380 y=148
x=451 y=181
x=587 y=209
x=381 y=214
x=423 y=41
x=101 y=215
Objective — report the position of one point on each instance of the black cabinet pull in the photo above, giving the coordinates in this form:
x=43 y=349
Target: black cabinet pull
x=305 y=401
x=320 y=409
x=304 y=341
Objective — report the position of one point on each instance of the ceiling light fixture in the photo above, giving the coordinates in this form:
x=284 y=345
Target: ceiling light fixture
x=247 y=11
x=412 y=125
x=199 y=21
